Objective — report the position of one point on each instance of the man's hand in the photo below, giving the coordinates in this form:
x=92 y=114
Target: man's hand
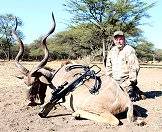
x=133 y=94
x=133 y=83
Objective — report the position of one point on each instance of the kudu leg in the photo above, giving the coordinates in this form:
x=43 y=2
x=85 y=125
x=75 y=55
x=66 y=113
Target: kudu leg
x=106 y=117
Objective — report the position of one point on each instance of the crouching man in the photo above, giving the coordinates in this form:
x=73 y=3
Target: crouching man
x=122 y=65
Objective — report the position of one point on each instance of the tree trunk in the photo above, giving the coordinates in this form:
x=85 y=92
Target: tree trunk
x=9 y=52
x=104 y=52
x=5 y=55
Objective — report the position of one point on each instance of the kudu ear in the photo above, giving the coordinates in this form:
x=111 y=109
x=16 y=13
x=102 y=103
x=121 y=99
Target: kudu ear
x=43 y=79
x=20 y=77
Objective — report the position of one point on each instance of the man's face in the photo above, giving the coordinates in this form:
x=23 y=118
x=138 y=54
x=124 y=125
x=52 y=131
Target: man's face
x=119 y=41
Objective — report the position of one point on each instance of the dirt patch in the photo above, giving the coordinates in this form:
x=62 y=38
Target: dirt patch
x=17 y=117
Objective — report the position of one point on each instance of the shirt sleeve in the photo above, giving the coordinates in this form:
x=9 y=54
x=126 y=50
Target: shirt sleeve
x=133 y=65
x=109 y=65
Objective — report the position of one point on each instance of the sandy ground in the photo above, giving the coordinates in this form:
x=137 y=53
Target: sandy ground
x=16 y=116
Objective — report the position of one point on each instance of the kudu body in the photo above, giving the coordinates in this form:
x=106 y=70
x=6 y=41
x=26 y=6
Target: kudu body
x=102 y=107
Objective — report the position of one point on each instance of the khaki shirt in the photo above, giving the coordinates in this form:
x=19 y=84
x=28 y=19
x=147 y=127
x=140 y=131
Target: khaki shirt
x=122 y=64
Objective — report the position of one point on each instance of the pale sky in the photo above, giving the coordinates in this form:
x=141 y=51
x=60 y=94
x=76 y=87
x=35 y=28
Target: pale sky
x=36 y=16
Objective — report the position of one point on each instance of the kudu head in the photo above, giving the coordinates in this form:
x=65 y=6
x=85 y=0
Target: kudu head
x=38 y=74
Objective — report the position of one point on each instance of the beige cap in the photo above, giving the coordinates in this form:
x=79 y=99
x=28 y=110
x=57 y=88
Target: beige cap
x=118 y=33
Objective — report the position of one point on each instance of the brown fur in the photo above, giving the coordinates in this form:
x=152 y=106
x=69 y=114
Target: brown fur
x=102 y=107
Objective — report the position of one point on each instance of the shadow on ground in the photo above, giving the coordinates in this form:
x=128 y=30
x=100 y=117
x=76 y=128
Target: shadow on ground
x=138 y=112
x=153 y=94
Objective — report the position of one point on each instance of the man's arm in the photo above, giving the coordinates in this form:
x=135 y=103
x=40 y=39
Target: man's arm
x=133 y=66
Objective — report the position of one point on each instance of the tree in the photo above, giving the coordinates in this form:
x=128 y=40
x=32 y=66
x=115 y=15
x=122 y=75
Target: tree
x=35 y=49
x=3 y=47
x=62 y=44
x=77 y=41
x=158 y=54
x=7 y=23
x=110 y=15
x=145 y=51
